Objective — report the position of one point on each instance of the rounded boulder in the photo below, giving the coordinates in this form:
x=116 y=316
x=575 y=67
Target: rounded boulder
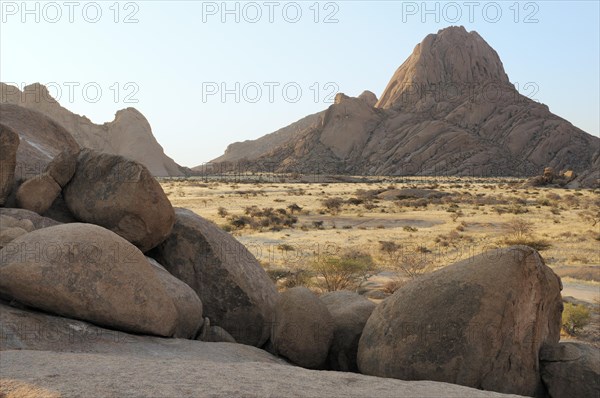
x=121 y=195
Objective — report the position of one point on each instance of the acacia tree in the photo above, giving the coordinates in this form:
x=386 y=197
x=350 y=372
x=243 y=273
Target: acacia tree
x=411 y=262
x=347 y=271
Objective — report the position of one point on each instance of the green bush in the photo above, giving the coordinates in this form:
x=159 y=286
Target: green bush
x=347 y=271
x=574 y=318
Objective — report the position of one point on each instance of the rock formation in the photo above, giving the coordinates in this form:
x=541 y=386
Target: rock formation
x=86 y=272
x=349 y=312
x=9 y=143
x=128 y=135
x=302 y=328
x=450 y=109
x=236 y=291
x=571 y=369
x=479 y=323
x=76 y=358
x=121 y=195
x=35 y=150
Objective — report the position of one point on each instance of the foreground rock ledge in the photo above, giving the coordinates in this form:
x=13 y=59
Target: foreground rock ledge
x=75 y=358
x=480 y=323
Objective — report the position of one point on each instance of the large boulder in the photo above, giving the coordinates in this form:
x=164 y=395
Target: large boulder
x=38 y=193
x=41 y=138
x=9 y=143
x=86 y=272
x=236 y=292
x=350 y=312
x=120 y=195
x=302 y=328
x=479 y=323
x=8 y=234
x=187 y=303
x=62 y=167
x=571 y=370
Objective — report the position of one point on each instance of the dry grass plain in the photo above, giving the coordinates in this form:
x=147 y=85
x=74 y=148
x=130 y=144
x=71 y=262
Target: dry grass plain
x=471 y=216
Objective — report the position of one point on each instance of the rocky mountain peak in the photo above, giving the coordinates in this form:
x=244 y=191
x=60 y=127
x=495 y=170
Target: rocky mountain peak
x=451 y=56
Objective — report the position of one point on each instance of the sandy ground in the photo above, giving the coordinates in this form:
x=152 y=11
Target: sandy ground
x=584 y=292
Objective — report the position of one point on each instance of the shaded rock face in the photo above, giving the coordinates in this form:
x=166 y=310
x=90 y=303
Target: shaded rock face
x=571 y=370
x=302 y=328
x=237 y=293
x=186 y=301
x=120 y=195
x=38 y=193
x=480 y=323
x=8 y=234
x=128 y=135
x=86 y=272
x=350 y=312
x=214 y=334
x=448 y=110
x=62 y=167
x=41 y=139
x=9 y=143
x=25 y=219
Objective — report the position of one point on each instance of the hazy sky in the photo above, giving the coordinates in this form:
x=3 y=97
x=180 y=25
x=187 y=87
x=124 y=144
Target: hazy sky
x=277 y=61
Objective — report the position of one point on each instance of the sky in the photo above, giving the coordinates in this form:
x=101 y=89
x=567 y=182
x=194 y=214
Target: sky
x=206 y=74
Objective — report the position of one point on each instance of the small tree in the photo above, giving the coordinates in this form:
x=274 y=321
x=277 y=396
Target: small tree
x=411 y=262
x=574 y=318
x=347 y=271
x=519 y=229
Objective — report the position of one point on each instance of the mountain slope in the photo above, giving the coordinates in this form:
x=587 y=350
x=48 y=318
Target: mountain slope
x=129 y=134
x=449 y=109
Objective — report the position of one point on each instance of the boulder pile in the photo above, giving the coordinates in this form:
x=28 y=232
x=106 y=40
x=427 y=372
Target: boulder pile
x=93 y=240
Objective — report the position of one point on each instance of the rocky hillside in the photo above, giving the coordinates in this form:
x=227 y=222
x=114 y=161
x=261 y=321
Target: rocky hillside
x=449 y=109
x=129 y=134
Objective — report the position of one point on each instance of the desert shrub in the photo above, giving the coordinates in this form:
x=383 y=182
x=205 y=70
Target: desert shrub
x=452 y=208
x=409 y=228
x=519 y=228
x=222 y=212
x=520 y=232
x=264 y=218
x=239 y=222
x=294 y=278
x=454 y=216
x=318 y=224
x=333 y=205
x=574 y=318
x=355 y=201
x=286 y=247
x=391 y=286
x=228 y=227
x=346 y=271
x=294 y=207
